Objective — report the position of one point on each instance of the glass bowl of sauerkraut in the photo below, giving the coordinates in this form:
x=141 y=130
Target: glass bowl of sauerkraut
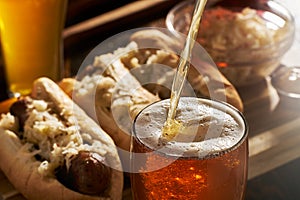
x=245 y=40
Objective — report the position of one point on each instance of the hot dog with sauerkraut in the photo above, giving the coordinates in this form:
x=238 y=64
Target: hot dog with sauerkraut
x=50 y=149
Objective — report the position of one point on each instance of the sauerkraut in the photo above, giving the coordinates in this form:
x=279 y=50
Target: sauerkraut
x=223 y=29
x=245 y=43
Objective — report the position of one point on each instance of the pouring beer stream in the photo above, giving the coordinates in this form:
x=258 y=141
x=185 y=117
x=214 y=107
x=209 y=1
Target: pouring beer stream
x=172 y=126
x=189 y=147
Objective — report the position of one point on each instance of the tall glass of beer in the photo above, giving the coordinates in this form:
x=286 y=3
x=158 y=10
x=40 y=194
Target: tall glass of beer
x=207 y=159
x=31 y=38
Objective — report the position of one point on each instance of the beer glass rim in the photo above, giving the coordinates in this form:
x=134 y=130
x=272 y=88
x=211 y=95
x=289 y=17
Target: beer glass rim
x=209 y=155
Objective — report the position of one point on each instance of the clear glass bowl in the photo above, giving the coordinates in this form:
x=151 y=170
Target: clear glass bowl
x=242 y=60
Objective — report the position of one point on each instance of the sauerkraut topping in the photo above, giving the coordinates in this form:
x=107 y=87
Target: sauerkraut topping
x=246 y=44
x=8 y=122
x=223 y=29
x=52 y=136
x=49 y=137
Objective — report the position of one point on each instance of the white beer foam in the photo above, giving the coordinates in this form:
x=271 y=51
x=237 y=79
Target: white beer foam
x=219 y=126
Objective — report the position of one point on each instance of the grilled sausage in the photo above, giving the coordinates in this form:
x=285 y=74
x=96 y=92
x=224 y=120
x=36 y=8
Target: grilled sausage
x=87 y=173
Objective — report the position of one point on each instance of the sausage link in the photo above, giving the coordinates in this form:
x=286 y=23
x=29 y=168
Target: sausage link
x=19 y=110
x=87 y=174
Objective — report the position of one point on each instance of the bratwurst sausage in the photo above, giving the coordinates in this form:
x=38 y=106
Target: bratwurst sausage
x=19 y=110
x=87 y=173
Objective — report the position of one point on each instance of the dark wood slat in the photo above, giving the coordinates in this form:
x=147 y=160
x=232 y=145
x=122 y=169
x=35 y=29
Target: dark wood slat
x=81 y=10
x=91 y=32
x=279 y=184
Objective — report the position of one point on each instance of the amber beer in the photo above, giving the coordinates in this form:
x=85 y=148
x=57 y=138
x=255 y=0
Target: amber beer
x=31 y=40
x=207 y=160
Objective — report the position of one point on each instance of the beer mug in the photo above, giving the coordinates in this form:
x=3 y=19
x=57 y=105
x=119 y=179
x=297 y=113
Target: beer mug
x=208 y=159
x=31 y=38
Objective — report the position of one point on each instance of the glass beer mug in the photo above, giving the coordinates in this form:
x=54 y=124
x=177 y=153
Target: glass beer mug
x=31 y=37
x=207 y=159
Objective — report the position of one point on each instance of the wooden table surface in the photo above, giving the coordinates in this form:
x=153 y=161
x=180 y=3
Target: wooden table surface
x=274 y=120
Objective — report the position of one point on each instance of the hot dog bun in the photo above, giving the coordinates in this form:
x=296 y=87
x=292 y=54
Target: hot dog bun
x=209 y=83
x=112 y=93
x=21 y=165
